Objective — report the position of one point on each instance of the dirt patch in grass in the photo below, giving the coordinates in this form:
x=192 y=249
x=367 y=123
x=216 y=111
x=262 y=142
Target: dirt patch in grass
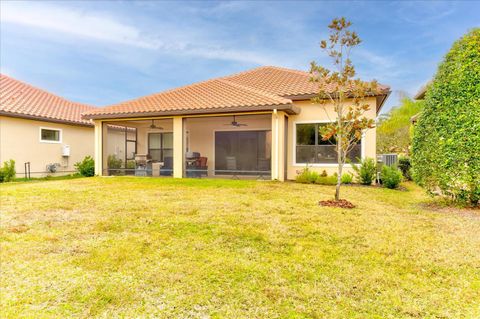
x=342 y=203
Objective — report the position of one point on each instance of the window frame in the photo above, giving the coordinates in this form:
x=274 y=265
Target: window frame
x=294 y=148
x=161 y=149
x=60 y=135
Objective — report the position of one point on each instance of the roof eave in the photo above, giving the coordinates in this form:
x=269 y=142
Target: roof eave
x=288 y=108
x=43 y=119
x=381 y=100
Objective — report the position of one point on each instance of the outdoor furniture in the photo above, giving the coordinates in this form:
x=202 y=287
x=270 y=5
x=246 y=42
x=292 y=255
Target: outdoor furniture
x=202 y=166
x=196 y=165
x=156 y=166
x=140 y=160
x=167 y=168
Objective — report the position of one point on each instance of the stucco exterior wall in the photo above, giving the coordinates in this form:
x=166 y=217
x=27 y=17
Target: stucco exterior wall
x=20 y=141
x=311 y=113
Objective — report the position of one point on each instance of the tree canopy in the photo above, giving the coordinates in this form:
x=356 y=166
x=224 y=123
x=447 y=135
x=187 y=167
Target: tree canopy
x=394 y=129
x=446 y=142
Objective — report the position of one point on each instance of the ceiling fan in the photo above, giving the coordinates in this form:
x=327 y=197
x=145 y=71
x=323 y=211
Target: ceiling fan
x=235 y=123
x=154 y=126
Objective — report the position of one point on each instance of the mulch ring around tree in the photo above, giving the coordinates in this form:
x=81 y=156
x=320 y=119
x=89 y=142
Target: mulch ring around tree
x=341 y=203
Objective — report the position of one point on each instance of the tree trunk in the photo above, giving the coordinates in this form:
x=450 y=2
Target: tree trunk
x=339 y=169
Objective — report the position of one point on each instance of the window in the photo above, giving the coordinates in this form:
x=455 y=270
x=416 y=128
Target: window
x=312 y=149
x=50 y=135
x=160 y=146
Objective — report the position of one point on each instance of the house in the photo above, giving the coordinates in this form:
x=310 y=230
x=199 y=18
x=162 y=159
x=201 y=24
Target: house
x=420 y=95
x=260 y=123
x=42 y=129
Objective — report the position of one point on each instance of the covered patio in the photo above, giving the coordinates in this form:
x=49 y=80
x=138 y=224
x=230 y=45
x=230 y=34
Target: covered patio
x=236 y=145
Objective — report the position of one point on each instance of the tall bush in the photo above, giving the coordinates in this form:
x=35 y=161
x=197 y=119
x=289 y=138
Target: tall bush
x=446 y=142
x=366 y=171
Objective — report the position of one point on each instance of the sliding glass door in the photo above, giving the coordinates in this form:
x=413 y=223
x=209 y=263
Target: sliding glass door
x=242 y=152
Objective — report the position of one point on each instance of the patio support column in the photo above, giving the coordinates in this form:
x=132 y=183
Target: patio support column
x=178 y=137
x=278 y=145
x=98 y=148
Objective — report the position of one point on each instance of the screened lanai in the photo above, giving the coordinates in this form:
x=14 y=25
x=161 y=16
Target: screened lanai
x=227 y=146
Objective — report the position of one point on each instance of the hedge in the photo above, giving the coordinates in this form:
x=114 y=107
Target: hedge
x=446 y=142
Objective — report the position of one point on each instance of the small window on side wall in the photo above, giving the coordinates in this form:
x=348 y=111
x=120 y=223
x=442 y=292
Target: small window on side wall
x=50 y=135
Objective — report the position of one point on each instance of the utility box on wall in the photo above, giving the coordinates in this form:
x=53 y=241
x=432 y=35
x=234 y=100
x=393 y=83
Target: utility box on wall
x=66 y=150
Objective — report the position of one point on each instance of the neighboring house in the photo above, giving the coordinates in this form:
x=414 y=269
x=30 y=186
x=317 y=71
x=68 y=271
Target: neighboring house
x=258 y=123
x=42 y=129
x=419 y=96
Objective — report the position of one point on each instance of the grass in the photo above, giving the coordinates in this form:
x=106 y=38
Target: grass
x=48 y=178
x=148 y=248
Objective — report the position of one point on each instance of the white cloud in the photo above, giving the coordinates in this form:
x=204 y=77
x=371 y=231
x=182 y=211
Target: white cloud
x=75 y=23
x=108 y=29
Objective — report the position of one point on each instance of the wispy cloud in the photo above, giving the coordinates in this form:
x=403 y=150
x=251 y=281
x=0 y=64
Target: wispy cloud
x=424 y=13
x=108 y=29
x=83 y=24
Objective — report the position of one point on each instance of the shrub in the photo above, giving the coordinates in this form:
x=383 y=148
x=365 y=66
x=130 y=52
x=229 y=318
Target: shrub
x=7 y=172
x=347 y=178
x=114 y=162
x=326 y=180
x=307 y=176
x=446 y=142
x=86 y=167
x=131 y=164
x=404 y=165
x=391 y=176
x=366 y=171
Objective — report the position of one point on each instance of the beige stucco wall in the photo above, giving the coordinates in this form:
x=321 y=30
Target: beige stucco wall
x=311 y=112
x=20 y=141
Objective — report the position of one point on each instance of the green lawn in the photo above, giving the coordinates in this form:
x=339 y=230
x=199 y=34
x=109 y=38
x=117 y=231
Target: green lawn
x=148 y=248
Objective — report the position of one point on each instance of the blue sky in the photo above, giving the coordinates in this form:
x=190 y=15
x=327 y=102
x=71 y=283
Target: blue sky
x=101 y=53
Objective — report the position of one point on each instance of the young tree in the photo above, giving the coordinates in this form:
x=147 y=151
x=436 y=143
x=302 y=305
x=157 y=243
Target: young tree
x=348 y=95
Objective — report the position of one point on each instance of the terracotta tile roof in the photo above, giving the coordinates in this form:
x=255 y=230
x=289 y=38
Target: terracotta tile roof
x=23 y=100
x=213 y=95
x=281 y=81
x=260 y=88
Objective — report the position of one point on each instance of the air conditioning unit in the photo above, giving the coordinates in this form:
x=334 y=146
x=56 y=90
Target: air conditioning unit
x=66 y=150
x=388 y=159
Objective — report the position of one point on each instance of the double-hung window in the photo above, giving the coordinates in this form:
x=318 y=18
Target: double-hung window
x=310 y=148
